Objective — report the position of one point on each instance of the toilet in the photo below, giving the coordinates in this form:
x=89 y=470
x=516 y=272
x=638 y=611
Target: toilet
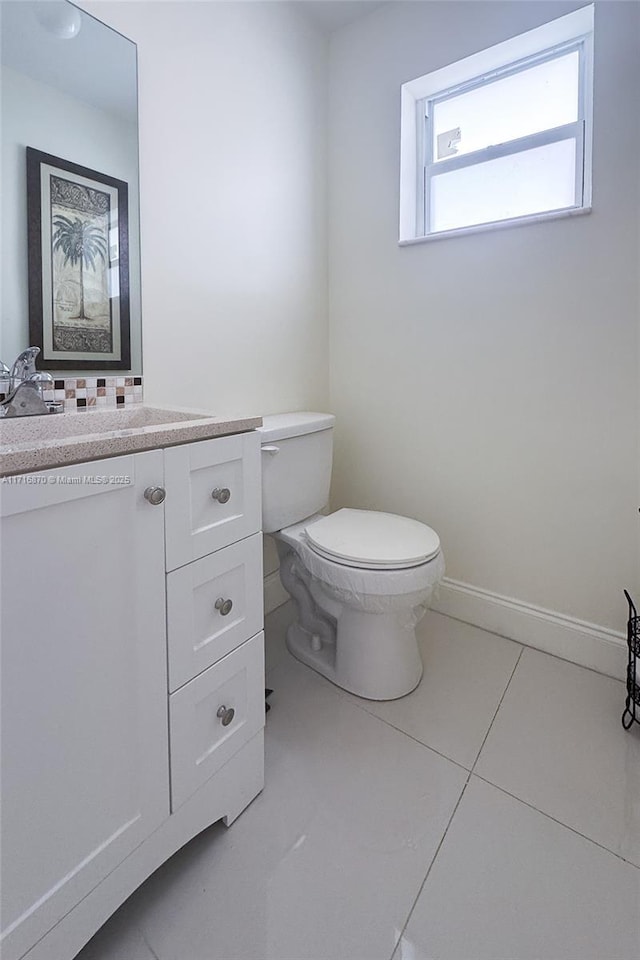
x=361 y=580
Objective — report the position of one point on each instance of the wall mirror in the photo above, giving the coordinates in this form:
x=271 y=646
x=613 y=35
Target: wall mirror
x=70 y=211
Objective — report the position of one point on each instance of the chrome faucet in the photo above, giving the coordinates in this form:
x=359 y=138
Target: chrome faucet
x=5 y=378
x=25 y=396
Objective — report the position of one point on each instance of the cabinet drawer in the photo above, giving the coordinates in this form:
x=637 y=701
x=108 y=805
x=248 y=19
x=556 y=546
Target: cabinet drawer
x=213 y=605
x=213 y=496
x=200 y=741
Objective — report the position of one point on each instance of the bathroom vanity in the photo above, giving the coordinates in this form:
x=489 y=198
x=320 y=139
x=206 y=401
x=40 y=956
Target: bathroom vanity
x=131 y=559
x=132 y=660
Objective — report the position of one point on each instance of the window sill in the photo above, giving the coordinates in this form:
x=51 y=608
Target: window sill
x=497 y=225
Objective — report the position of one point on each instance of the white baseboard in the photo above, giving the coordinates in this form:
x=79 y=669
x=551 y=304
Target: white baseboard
x=589 y=645
x=274 y=593
x=583 y=643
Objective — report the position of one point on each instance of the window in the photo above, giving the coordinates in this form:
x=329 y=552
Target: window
x=501 y=137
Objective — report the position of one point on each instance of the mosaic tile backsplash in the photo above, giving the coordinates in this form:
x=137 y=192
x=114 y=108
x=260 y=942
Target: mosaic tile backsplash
x=83 y=393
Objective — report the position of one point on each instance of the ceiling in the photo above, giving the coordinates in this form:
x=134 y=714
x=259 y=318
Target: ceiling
x=331 y=15
x=97 y=65
x=110 y=83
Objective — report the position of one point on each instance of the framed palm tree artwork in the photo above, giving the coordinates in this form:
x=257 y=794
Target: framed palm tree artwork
x=78 y=265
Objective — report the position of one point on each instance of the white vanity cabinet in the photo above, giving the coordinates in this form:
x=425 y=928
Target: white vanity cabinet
x=213 y=715
x=83 y=720
x=212 y=606
x=110 y=763
x=220 y=496
x=214 y=603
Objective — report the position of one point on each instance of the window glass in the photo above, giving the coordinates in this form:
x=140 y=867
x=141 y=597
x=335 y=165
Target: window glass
x=536 y=99
x=532 y=181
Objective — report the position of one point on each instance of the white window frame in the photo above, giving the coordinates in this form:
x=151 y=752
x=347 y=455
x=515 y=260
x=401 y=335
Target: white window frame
x=573 y=32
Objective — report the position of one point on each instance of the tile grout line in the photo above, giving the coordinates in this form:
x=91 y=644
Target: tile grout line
x=150 y=948
x=529 y=646
x=525 y=646
x=526 y=803
x=353 y=699
x=493 y=719
x=430 y=867
x=555 y=820
x=420 y=743
x=455 y=809
x=350 y=698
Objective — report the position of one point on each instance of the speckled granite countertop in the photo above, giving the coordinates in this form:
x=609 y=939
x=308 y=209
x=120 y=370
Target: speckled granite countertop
x=39 y=443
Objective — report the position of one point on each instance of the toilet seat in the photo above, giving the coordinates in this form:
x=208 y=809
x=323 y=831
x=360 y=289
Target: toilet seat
x=371 y=540
x=382 y=588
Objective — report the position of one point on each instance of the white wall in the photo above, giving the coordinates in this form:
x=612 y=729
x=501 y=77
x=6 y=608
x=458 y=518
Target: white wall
x=487 y=384
x=232 y=102
x=37 y=115
x=484 y=384
x=232 y=155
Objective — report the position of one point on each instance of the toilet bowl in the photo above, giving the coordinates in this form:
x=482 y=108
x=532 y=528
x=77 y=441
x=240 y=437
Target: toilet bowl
x=361 y=580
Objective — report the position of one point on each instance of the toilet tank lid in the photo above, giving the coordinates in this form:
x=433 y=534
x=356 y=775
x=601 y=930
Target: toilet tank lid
x=281 y=426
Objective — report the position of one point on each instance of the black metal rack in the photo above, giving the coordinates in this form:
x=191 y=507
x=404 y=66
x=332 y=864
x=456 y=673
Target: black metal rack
x=632 y=707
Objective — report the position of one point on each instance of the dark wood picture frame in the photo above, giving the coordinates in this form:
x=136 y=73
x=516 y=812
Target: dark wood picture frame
x=77 y=185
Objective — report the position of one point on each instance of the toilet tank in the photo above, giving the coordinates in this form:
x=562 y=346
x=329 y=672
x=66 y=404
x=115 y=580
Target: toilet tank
x=297 y=452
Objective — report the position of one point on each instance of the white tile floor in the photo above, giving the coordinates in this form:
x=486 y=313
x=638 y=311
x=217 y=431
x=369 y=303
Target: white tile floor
x=493 y=814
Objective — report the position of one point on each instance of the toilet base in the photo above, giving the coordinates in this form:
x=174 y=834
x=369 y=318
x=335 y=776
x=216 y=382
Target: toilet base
x=374 y=655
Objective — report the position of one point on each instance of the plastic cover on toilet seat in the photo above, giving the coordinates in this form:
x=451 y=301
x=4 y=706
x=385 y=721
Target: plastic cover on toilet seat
x=372 y=540
x=378 y=591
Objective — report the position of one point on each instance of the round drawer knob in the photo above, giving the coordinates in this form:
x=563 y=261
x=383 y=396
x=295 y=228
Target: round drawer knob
x=155 y=495
x=226 y=714
x=221 y=494
x=224 y=606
